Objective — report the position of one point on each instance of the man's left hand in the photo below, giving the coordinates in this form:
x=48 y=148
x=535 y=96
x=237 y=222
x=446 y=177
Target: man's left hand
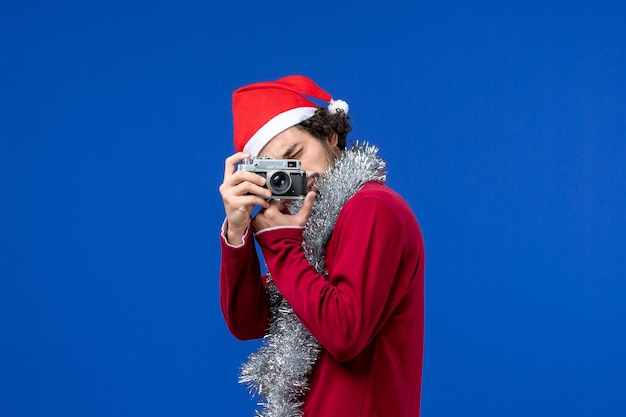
x=278 y=215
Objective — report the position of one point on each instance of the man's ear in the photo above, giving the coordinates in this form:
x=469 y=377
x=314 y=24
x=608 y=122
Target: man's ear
x=333 y=140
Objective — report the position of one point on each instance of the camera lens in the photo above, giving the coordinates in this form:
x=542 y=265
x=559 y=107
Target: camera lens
x=279 y=182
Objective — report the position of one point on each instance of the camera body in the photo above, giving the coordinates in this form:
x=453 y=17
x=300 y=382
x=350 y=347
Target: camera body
x=284 y=177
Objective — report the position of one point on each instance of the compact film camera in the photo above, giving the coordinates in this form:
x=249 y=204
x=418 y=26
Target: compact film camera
x=284 y=177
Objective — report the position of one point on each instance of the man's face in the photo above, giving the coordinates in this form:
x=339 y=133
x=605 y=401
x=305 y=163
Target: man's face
x=294 y=143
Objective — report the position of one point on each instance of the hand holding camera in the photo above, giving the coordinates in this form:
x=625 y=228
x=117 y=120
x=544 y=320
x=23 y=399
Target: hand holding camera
x=250 y=182
x=241 y=191
x=286 y=180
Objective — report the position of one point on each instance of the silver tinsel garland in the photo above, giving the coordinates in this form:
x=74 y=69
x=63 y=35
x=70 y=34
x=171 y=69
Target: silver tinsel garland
x=278 y=372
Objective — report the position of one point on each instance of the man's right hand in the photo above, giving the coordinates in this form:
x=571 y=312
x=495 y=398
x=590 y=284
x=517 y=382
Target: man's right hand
x=241 y=191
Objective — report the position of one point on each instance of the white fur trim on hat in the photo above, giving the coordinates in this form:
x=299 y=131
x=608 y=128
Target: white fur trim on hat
x=277 y=124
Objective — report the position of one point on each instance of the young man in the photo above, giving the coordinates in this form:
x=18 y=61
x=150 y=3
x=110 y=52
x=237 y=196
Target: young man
x=342 y=304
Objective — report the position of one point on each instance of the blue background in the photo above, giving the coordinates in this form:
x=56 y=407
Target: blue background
x=504 y=128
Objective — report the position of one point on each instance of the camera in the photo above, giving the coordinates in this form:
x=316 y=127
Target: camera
x=284 y=177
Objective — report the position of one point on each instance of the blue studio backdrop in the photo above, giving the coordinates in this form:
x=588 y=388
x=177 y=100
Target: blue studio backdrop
x=504 y=128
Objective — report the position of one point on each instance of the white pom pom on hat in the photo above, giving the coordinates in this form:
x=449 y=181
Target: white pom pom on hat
x=263 y=110
x=335 y=106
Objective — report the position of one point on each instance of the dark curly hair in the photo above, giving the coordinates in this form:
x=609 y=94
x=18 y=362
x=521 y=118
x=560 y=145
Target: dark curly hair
x=322 y=125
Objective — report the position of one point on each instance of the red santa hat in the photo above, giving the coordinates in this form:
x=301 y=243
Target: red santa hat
x=263 y=110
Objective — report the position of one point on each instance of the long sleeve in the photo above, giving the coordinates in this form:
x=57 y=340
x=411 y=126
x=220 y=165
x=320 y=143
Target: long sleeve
x=367 y=273
x=243 y=299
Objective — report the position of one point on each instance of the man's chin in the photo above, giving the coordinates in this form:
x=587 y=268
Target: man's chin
x=310 y=184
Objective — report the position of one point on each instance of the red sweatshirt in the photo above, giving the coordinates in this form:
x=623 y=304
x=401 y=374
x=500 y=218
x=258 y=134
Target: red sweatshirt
x=367 y=314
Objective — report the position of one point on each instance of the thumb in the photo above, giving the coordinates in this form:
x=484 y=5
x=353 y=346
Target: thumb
x=307 y=205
